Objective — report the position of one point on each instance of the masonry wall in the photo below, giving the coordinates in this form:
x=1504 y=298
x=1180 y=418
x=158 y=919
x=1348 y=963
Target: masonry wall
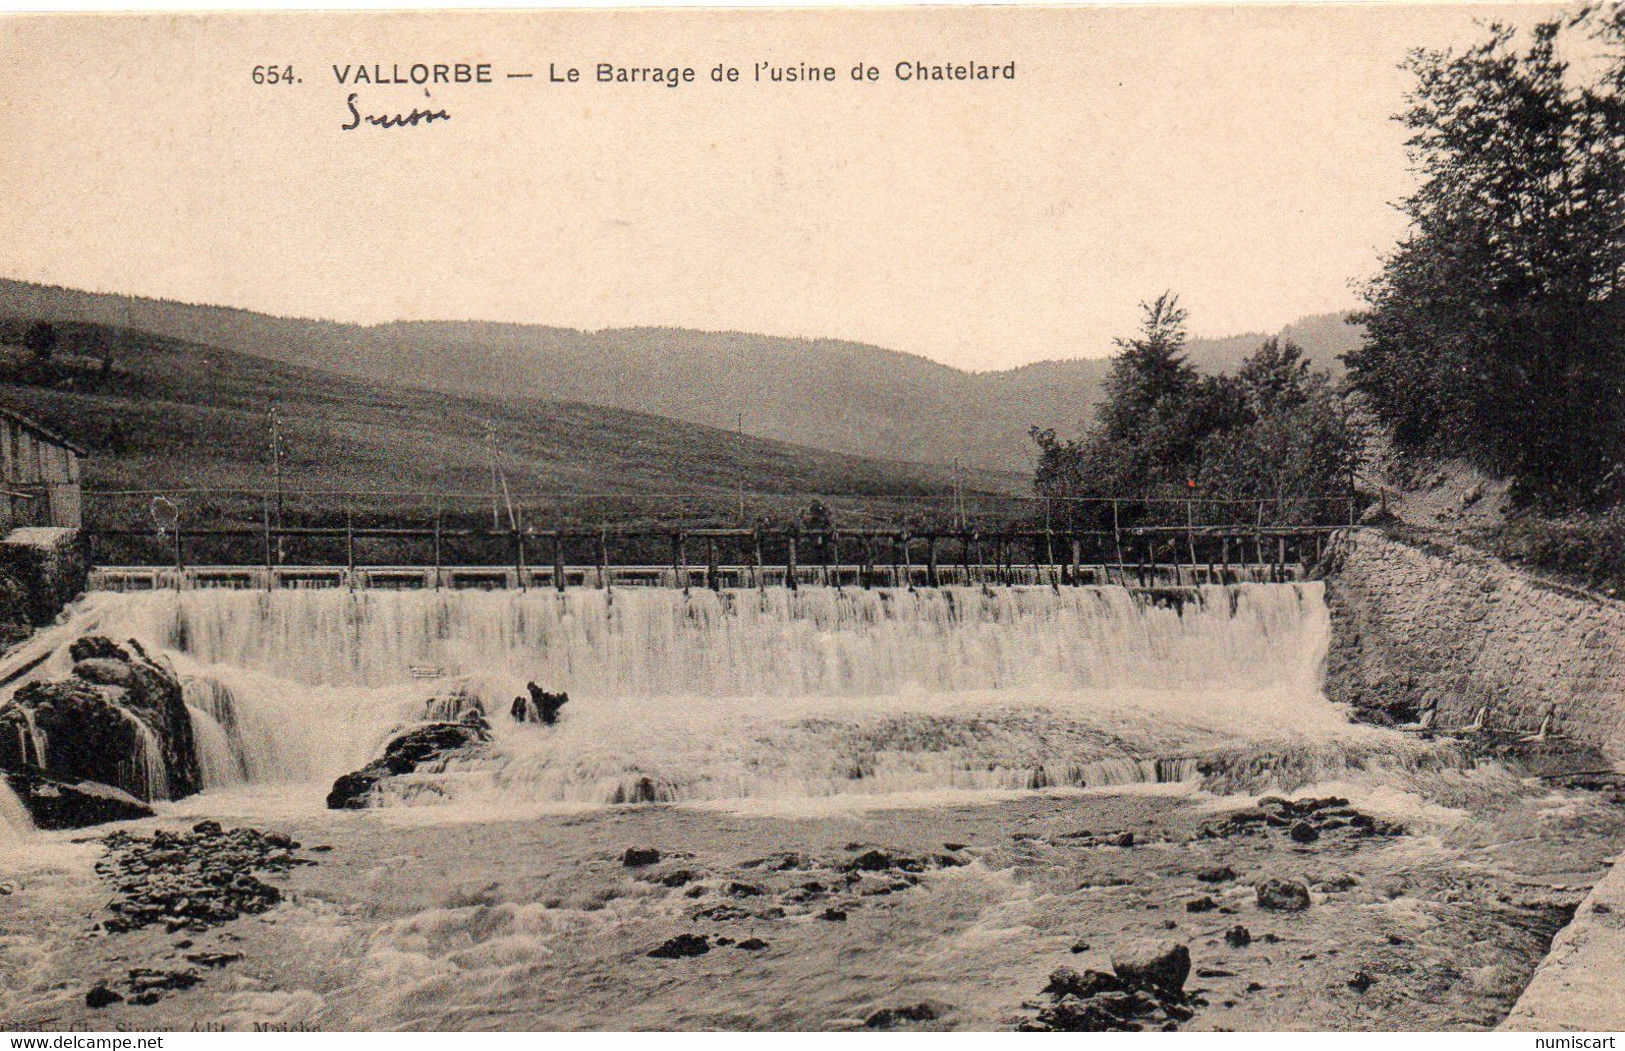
x=1469 y=632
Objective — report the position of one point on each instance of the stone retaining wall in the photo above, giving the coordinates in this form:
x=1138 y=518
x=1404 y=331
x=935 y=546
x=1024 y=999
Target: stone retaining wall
x=1470 y=633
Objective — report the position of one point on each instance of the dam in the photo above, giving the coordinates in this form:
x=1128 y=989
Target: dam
x=987 y=781
x=737 y=693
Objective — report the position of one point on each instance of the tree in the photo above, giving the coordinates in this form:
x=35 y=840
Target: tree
x=41 y=340
x=1275 y=431
x=1494 y=330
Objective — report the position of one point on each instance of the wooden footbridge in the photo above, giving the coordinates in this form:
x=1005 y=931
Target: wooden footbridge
x=371 y=551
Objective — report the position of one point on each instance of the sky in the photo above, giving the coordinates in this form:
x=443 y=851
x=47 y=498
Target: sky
x=1240 y=156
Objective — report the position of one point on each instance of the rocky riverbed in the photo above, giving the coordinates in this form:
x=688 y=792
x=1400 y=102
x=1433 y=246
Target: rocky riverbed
x=1423 y=905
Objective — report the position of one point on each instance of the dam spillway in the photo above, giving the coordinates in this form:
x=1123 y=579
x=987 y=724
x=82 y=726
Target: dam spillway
x=751 y=692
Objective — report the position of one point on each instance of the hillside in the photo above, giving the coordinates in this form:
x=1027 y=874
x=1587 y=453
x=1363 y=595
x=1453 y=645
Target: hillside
x=173 y=414
x=828 y=394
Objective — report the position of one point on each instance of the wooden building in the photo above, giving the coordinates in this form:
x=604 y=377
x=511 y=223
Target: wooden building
x=39 y=475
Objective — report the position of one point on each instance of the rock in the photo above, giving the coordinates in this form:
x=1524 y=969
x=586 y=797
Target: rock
x=1238 y=936
x=636 y=857
x=736 y=889
x=96 y=647
x=1361 y=981
x=119 y=720
x=540 y=707
x=1216 y=874
x=1080 y=947
x=1160 y=966
x=833 y=914
x=1202 y=904
x=431 y=744
x=190 y=880
x=1304 y=832
x=56 y=804
x=681 y=946
x=101 y=996
x=1282 y=895
x=1064 y=981
x=147 y=985
x=752 y=945
x=213 y=959
x=888 y=1017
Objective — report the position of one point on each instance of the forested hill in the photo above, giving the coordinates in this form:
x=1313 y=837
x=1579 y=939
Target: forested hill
x=828 y=394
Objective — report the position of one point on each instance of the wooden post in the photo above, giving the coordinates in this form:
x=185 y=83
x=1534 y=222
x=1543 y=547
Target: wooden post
x=1190 y=537
x=265 y=528
x=964 y=558
x=1077 y=557
x=558 y=559
x=1117 y=543
x=1258 y=536
x=516 y=526
x=713 y=575
x=931 y=561
x=679 y=561
x=603 y=558
x=834 y=553
x=790 y=571
x=349 y=545
x=1225 y=560
x=180 y=563
x=437 y=559
x=1049 y=556
x=1280 y=557
x=757 y=537
x=899 y=559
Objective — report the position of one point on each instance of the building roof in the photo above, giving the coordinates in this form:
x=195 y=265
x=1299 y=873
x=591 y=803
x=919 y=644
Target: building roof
x=42 y=431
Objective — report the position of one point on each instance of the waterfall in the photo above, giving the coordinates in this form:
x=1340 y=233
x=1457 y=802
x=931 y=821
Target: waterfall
x=769 y=692
x=15 y=824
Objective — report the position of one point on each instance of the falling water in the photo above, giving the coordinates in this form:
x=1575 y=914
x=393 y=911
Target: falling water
x=745 y=693
x=15 y=824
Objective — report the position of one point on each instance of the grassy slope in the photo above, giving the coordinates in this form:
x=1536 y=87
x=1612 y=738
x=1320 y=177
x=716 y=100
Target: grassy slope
x=181 y=415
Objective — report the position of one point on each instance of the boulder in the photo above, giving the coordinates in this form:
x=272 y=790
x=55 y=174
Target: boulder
x=639 y=856
x=1282 y=895
x=54 y=804
x=1158 y=966
x=539 y=707
x=887 y=1017
x=429 y=745
x=681 y=946
x=119 y=719
x=1064 y=981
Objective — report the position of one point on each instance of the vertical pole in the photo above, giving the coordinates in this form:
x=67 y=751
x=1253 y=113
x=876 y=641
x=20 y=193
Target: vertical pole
x=603 y=558
x=1117 y=543
x=931 y=561
x=180 y=563
x=835 y=555
x=679 y=570
x=558 y=559
x=757 y=539
x=1258 y=536
x=438 y=516
x=1077 y=571
x=517 y=523
x=349 y=546
x=791 y=573
x=1190 y=536
x=713 y=575
x=265 y=529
